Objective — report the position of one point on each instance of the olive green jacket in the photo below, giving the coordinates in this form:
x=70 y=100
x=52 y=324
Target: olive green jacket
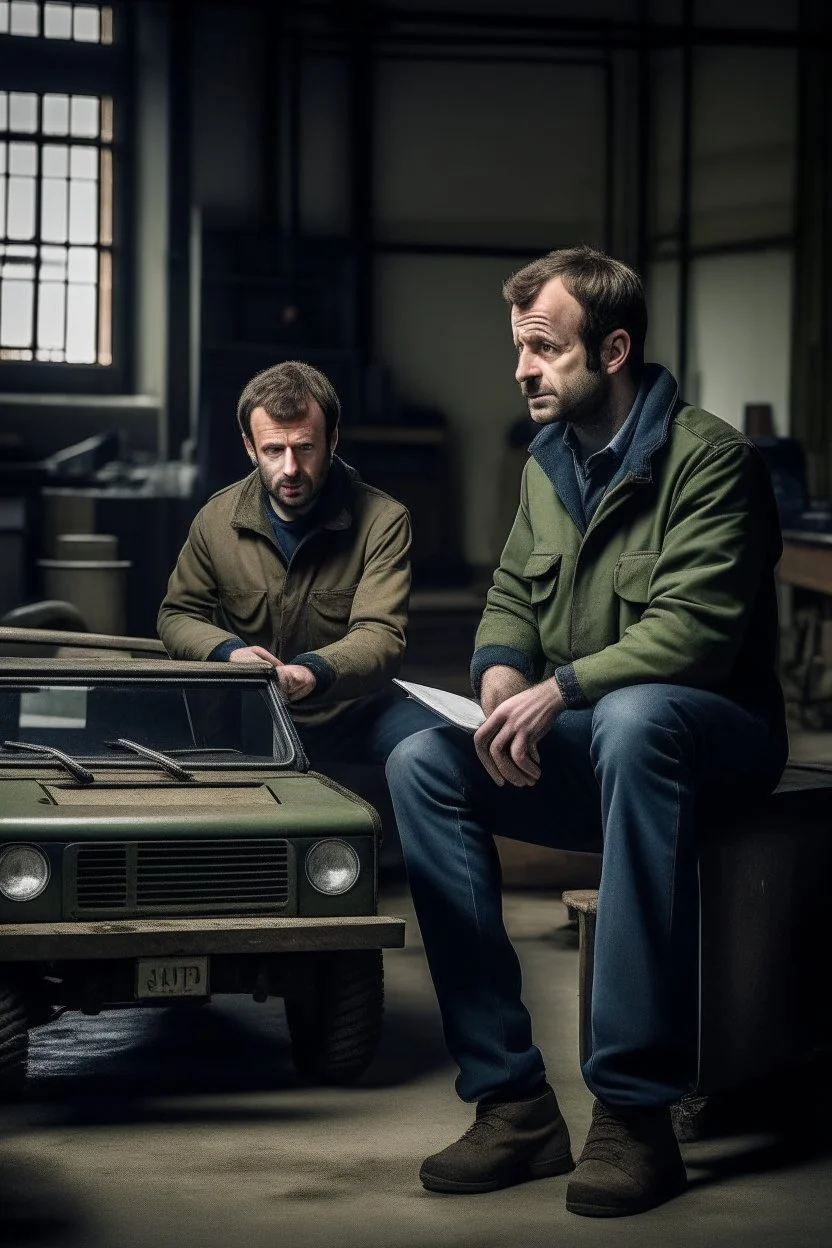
x=671 y=581
x=340 y=606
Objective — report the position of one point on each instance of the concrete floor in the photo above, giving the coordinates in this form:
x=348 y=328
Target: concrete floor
x=189 y=1128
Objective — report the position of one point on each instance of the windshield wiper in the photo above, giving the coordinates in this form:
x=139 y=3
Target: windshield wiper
x=75 y=769
x=155 y=756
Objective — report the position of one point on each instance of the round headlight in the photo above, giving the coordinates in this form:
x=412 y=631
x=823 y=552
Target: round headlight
x=332 y=867
x=24 y=872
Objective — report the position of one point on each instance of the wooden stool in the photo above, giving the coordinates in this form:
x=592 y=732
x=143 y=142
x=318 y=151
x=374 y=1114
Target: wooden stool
x=765 y=872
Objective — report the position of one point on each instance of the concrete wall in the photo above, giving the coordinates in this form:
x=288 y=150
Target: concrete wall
x=227 y=85
x=743 y=166
x=476 y=154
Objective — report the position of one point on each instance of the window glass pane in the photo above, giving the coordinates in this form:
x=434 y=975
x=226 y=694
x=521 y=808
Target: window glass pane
x=55 y=160
x=83 y=214
x=4 y=17
x=84 y=116
x=87 y=23
x=57 y=21
x=2 y=206
x=51 y=306
x=80 y=325
x=83 y=264
x=17 y=269
x=4 y=110
x=53 y=262
x=55 y=114
x=83 y=162
x=23 y=111
x=25 y=18
x=16 y=305
x=2 y=158
x=106 y=23
x=21 y=223
x=53 y=210
x=23 y=158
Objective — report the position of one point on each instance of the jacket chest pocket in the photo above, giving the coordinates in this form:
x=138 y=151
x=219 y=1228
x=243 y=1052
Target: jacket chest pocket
x=542 y=570
x=245 y=612
x=329 y=615
x=631 y=582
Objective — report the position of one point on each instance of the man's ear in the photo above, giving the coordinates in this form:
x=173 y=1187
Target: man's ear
x=250 y=451
x=615 y=351
x=333 y=442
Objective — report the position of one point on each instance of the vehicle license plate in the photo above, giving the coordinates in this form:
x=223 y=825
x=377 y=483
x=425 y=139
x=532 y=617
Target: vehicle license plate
x=171 y=977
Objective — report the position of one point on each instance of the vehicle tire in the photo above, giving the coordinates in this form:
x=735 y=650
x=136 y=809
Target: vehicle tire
x=334 y=1013
x=14 y=1042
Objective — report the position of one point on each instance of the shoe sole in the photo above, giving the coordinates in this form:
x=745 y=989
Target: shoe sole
x=588 y=1210
x=536 y=1170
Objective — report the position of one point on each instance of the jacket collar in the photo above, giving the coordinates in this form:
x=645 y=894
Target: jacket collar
x=336 y=502
x=658 y=397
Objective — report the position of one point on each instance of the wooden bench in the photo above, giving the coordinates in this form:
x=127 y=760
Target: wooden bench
x=765 y=937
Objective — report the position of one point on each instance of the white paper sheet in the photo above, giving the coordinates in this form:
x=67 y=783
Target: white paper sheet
x=462 y=712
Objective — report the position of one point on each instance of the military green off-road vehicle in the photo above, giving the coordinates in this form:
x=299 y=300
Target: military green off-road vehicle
x=162 y=839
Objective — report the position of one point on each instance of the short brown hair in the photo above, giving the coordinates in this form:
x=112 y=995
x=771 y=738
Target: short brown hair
x=610 y=293
x=285 y=391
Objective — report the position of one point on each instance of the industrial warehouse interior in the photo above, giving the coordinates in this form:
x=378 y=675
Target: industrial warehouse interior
x=192 y=192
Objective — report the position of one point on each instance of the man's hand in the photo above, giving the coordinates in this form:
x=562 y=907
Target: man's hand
x=254 y=654
x=296 y=681
x=507 y=742
x=498 y=684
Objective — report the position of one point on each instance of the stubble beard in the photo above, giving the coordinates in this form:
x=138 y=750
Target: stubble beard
x=582 y=404
x=301 y=503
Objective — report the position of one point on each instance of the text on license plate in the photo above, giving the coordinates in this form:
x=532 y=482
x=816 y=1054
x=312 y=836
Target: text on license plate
x=172 y=977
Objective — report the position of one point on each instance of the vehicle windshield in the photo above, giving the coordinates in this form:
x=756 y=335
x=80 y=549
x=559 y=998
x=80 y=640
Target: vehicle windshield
x=82 y=719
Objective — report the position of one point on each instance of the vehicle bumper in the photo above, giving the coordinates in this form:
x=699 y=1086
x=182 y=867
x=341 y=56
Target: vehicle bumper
x=129 y=938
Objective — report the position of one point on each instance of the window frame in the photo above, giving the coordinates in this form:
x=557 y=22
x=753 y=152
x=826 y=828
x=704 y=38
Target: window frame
x=45 y=66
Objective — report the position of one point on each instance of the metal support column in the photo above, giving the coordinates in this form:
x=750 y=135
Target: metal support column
x=685 y=179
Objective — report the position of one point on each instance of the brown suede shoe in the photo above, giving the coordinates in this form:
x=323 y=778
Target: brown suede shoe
x=508 y=1143
x=630 y=1162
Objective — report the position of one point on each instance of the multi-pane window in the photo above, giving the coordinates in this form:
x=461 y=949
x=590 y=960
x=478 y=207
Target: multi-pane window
x=56 y=195
x=56 y=201
x=83 y=23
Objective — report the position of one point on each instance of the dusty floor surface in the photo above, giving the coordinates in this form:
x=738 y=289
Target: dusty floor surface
x=189 y=1128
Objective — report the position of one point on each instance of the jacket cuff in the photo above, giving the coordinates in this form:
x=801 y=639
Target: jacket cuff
x=500 y=656
x=222 y=652
x=571 y=692
x=324 y=673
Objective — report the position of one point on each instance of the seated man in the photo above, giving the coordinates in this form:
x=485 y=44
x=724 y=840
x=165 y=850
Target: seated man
x=305 y=566
x=626 y=665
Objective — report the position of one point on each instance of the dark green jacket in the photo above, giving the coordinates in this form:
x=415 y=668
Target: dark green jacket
x=340 y=604
x=671 y=581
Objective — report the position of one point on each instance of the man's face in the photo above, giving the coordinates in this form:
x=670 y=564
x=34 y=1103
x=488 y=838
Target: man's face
x=551 y=359
x=293 y=458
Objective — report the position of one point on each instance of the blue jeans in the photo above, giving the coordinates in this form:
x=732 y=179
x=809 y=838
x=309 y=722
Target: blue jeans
x=367 y=733
x=621 y=777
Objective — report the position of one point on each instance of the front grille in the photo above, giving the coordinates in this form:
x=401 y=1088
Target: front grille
x=103 y=883
x=146 y=878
